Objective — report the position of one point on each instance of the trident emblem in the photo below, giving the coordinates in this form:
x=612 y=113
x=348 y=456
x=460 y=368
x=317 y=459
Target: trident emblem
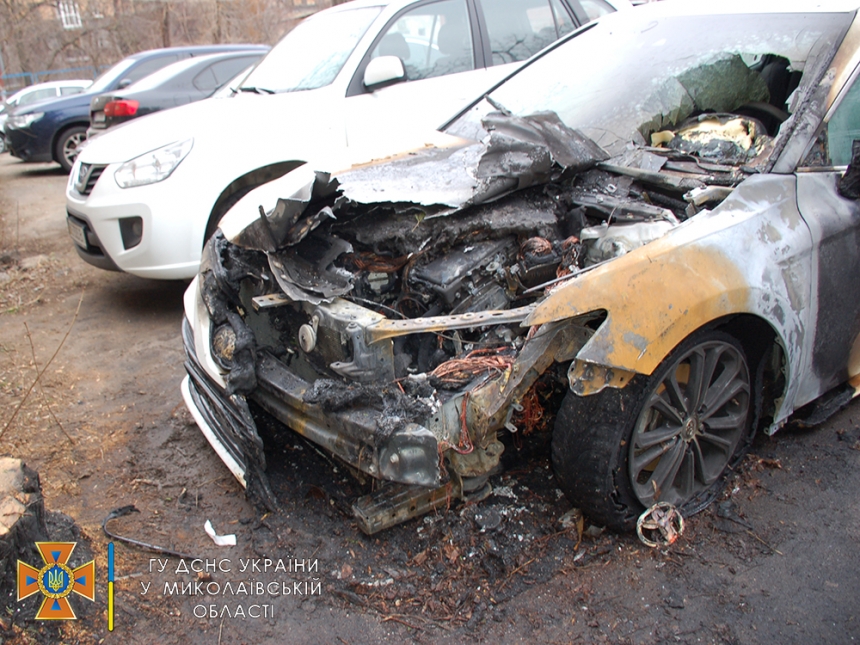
x=56 y=581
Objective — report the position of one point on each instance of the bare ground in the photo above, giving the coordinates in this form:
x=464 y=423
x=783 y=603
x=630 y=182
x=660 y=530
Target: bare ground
x=773 y=561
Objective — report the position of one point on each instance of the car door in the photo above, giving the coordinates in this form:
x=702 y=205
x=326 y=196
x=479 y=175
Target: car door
x=436 y=42
x=834 y=222
x=452 y=50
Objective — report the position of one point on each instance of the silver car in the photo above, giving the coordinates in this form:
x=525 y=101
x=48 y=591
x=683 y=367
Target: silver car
x=657 y=251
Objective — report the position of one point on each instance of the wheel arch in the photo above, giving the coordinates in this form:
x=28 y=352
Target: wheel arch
x=762 y=343
x=242 y=185
x=766 y=356
x=61 y=131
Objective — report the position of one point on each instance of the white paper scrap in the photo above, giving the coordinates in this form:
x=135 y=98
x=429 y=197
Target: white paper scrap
x=220 y=540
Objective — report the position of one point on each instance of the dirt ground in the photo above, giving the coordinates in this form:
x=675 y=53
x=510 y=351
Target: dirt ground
x=774 y=561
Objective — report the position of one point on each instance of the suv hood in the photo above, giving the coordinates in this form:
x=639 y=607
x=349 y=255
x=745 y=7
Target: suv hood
x=63 y=103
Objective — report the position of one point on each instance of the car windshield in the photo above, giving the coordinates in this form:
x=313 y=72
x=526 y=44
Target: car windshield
x=624 y=81
x=109 y=77
x=313 y=53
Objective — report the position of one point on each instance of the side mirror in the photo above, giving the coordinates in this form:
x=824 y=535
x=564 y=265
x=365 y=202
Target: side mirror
x=849 y=183
x=124 y=83
x=382 y=71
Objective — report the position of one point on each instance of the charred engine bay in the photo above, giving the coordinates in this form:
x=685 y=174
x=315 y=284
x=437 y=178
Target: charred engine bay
x=402 y=263
x=301 y=288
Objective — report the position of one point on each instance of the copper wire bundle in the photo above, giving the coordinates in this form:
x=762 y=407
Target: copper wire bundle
x=459 y=371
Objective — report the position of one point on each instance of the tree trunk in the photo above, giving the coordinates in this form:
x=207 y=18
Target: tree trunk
x=22 y=521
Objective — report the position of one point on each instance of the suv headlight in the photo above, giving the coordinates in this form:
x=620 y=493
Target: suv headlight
x=154 y=166
x=23 y=120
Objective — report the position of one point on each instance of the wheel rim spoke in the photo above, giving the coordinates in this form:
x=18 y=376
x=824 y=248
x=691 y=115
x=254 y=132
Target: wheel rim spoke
x=716 y=440
x=685 y=479
x=644 y=459
x=676 y=396
x=708 y=471
x=662 y=404
x=698 y=380
x=667 y=468
x=729 y=421
x=720 y=395
x=698 y=459
x=657 y=436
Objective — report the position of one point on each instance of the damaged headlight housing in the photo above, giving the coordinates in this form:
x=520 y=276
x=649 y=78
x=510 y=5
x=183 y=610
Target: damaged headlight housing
x=154 y=166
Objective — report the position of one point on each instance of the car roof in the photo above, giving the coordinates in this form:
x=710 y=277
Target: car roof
x=697 y=7
x=61 y=83
x=167 y=73
x=202 y=49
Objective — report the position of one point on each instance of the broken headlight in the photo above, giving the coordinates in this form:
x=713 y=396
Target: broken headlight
x=224 y=345
x=154 y=166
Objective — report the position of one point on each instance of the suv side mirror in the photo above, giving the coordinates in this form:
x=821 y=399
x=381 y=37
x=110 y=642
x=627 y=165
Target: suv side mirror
x=124 y=83
x=383 y=71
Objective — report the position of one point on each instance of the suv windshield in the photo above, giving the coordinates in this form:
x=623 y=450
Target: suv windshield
x=312 y=54
x=647 y=80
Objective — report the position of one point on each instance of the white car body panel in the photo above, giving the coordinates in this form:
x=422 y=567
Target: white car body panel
x=236 y=135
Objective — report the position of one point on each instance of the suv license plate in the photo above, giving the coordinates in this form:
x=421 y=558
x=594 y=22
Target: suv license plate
x=78 y=233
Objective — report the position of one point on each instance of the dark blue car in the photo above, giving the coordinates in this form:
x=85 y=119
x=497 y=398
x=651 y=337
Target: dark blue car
x=53 y=130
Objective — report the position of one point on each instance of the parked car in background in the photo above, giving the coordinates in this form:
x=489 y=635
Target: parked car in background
x=144 y=199
x=656 y=253
x=53 y=130
x=179 y=83
x=35 y=93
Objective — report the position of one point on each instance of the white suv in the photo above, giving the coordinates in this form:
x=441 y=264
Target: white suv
x=144 y=198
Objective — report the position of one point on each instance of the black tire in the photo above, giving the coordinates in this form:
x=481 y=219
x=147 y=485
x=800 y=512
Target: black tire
x=618 y=452
x=66 y=149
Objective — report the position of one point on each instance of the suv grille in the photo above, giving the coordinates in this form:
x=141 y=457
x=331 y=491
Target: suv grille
x=88 y=175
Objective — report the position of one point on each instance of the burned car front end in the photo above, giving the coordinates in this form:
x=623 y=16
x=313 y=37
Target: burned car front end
x=404 y=364
x=566 y=242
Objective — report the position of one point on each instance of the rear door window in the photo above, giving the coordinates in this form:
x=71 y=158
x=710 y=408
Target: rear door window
x=205 y=81
x=68 y=91
x=518 y=29
x=224 y=70
x=149 y=66
x=38 y=95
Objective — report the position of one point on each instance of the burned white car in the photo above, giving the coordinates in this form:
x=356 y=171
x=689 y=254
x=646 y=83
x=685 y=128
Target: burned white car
x=657 y=249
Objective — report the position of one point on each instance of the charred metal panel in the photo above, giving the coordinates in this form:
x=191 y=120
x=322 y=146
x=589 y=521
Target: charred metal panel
x=432 y=176
x=229 y=417
x=352 y=433
x=835 y=225
x=710 y=267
